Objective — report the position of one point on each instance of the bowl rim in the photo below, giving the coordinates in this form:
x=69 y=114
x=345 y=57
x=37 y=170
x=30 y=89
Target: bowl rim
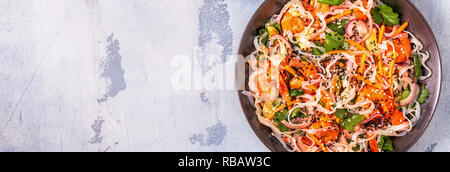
x=439 y=78
x=438 y=71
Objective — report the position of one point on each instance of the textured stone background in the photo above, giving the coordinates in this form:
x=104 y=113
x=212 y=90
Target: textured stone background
x=94 y=75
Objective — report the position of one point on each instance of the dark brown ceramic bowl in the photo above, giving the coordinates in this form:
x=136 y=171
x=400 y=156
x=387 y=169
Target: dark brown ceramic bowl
x=417 y=25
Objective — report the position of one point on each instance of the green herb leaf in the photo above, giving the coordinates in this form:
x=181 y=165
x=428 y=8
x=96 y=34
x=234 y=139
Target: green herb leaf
x=390 y=17
x=281 y=116
x=297 y=113
x=341 y=113
x=294 y=93
x=381 y=142
x=278 y=27
x=388 y=145
x=353 y=120
x=318 y=51
x=331 y=2
x=357 y=148
x=339 y=26
x=377 y=17
x=265 y=39
x=282 y=127
x=333 y=41
x=385 y=144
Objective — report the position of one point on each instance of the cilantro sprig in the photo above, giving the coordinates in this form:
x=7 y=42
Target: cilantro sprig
x=281 y=116
x=384 y=13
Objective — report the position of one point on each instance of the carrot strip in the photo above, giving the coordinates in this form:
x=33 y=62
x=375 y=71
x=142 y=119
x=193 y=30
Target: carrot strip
x=291 y=70
x=280 y=108
x=284 y=92
x=369 y=82
x=339 y=51
x=325 y=99
x=314 y=88
x=380 y=79
x=333 y=83
x=380 y=37
x=401 y=28
x=318 y=142
x=391 y=68
x=373 y=143
x=288 y=101
x=339 y=16
x=380 y=65
x=359 y=46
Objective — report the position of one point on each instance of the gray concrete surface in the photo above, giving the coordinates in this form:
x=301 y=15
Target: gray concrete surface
x=98 y=75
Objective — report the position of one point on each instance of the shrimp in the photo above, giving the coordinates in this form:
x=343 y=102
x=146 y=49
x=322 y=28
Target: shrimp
x=378 y=96
x=293 y=22
x=297 y=18
x=307 y=69
x=329 y=134
x=307 y=72
x=262 y=84
x=305 y=144
x=396 y=118
x=402 y=46
x=358 y=14
x=385 y=103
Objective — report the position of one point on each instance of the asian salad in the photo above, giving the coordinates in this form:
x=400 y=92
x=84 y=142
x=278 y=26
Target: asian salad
x=337 y=76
